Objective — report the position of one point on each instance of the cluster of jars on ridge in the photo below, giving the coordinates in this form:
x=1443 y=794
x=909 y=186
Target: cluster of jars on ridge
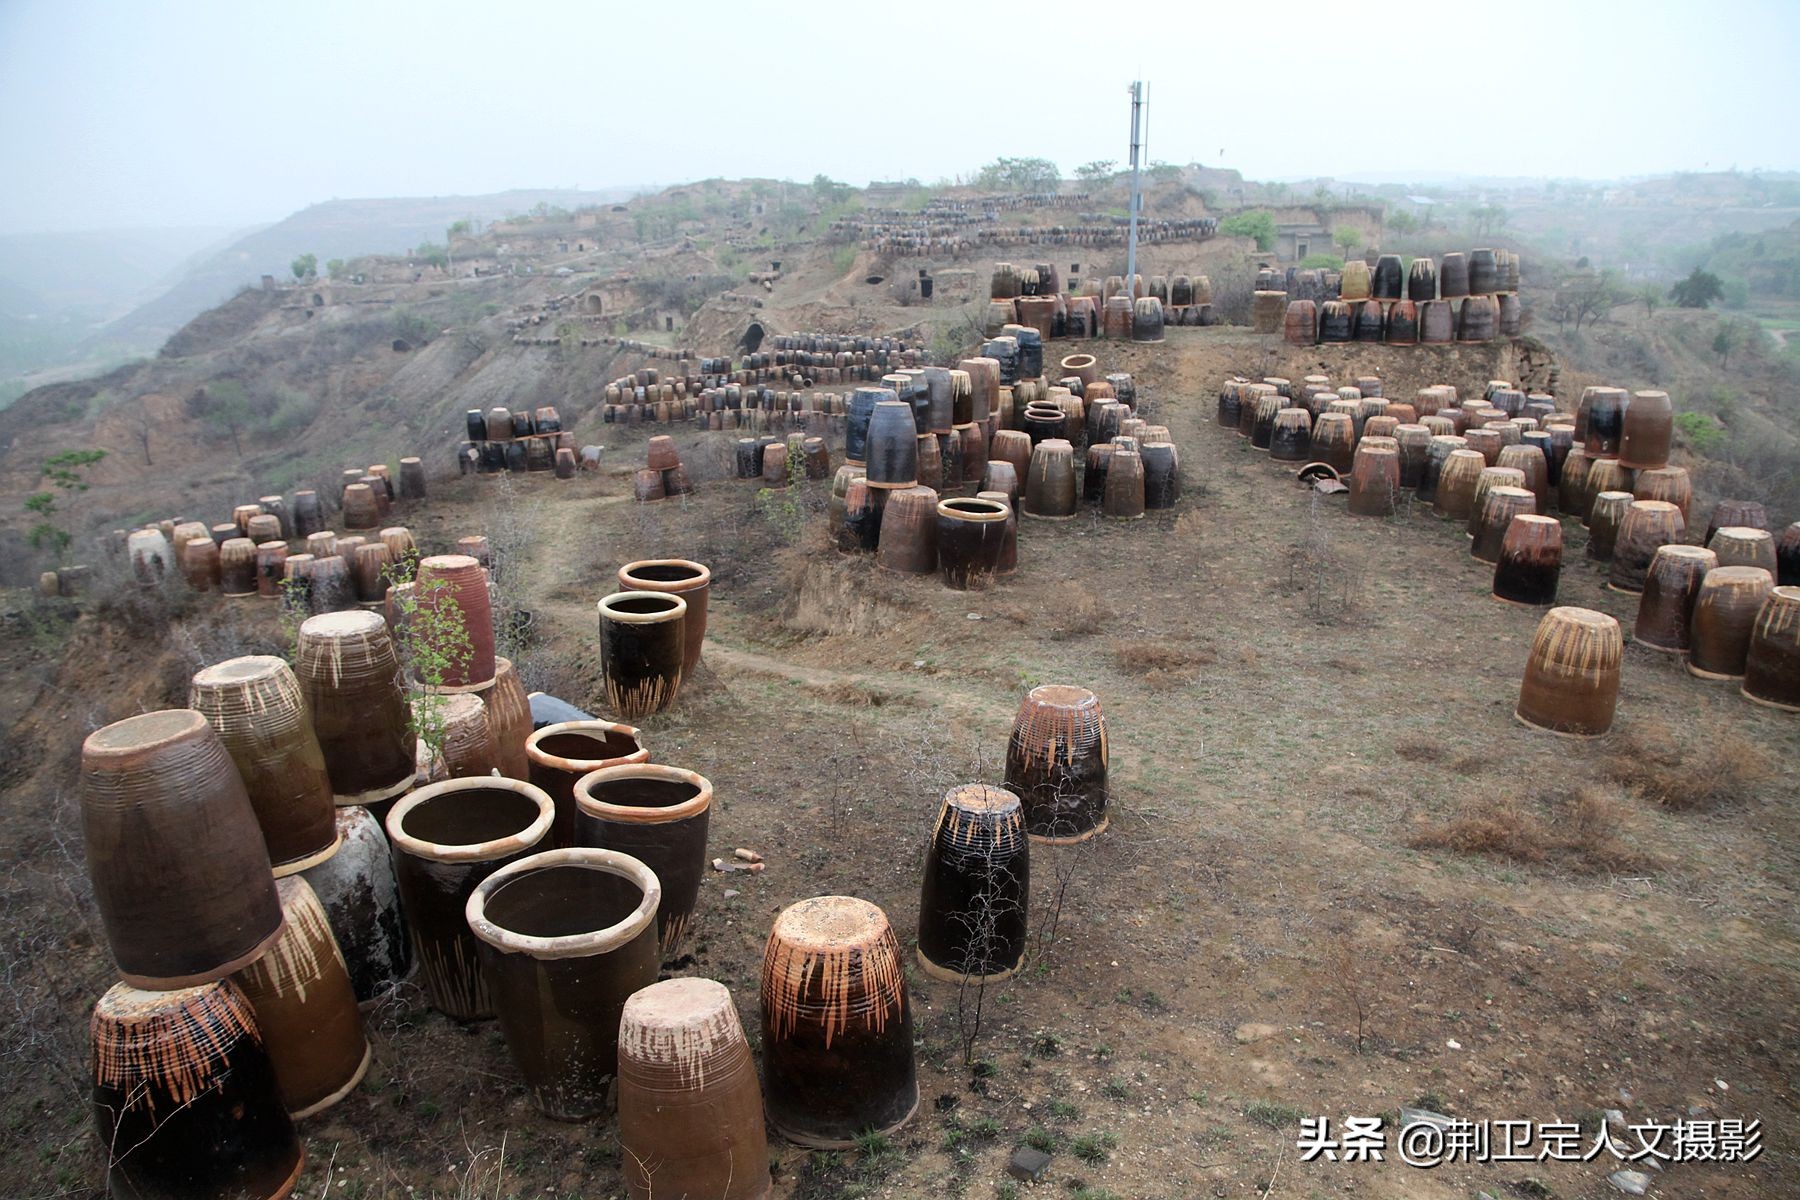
x=274 y=549
x=1468 y=299
x=913 y=236
x=501 y=440
x=1033 y=296
x=721 y=385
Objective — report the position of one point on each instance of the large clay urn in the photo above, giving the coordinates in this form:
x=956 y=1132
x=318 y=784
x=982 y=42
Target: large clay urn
x=972 y=908
x=509 y=720
x=305 y=1007
x=658 y=815
x=455 y=588
x=349 y=674
x=691 y=581
x=1724 y=618
x=565 y=938
x=1671 y=585
x=447 y=838
x=1571 y=684
x=186 y=1099
x=561 y=753
x=180 y=871
x=1056 y=761
x=1649 y=525
x=690 y=1106
x=255 y=706
x=837 y=1038
x=1772 y=660
x=643 y=640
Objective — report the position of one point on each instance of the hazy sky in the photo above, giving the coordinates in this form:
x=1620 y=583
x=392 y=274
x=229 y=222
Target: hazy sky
x=129 y=113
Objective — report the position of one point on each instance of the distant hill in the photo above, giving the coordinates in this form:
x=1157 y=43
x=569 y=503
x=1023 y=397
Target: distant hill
x=334 y=229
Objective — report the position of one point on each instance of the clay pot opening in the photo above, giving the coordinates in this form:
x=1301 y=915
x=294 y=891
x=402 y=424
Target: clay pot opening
x=642 y=608
x=584 y=742
x=665 y=570
x=565 y=903
x=976 y=509
x=471 y=820
x=643 y=792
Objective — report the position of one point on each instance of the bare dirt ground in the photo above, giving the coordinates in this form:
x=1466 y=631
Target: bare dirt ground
x=1340 y=877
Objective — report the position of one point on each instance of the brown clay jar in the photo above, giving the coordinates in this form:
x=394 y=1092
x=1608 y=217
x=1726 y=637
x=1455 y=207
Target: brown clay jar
x=1649 y=525
x=350 y=677
x=691 y=581
x=180 y=870
x=1724 y=615
x=837 y=1037
x=305 y=1007
x=690 y=1106
x=972 y=908
x=1530 y=565
x=561 y=754
x=1498 y=510
x=971 y=537
x=1571 y=683
x=643 y=640
x=1056 y=763
x=660 y=816
x=1772 y=661
x=565 y=937
x=1671 y=585
x=447 y=838
x=456 y=586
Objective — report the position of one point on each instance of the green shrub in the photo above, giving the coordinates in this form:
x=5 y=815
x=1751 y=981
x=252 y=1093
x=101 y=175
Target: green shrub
x=1699 y=431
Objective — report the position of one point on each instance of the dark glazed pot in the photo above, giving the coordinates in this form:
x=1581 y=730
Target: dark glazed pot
x=565 y=938
x=690 y=1107
x=1671 y=586
x=1787 y=556
x=972 y=907
x=1498 y=509
x=1334 y=441
x=837 y=1038
x=1290 y=439
x=860 y=411
x=305 y=1008
x=1605 y=421
x=254 y=705
x=893 y=446
x=447 y=838
x=180 y=872
x=1604 y=520
x=970 y=537
x=1009 y=545
x=350 y=676
x=1162 y=475
x=660 y=816
x=1742 y=546
x=509 y=720
x=1669 y=484
x=1746 y=513
x=1724 y=615
x=186 y=1100
x=1772 y=663
x=361 y=899
x=1123 y=495
x=562 y=753
x=1571 y=684
x=643 y=638
x=691 y=581
x=1530 y=563
x=1646 y=432
x=1050 y=482
x=1056 y=763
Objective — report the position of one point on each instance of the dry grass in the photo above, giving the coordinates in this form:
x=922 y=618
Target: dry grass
x=1076 y=611
x=849 y=694
x=1712 y=767
x=1419 y=750
x=1584 y=829
x=1159 y=662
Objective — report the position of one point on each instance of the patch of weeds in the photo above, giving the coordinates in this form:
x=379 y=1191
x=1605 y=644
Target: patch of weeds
x=1062 y=1110
x=1271 y=1114
x=1418 y=749
x=1431 y=1101
x=1103 y=1052
x=984 y=1130
x=1703 y=769
x=1115 y=1089
x=1580 y=828
x=1093 y=1148
x=1047 y=1046
x=1150 y=1002
x=1041 y=1139
x=1082 y=1191
x=1006 y=1189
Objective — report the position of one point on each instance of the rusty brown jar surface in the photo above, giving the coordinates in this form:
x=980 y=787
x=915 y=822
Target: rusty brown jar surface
x=1648 y=526
x=561 y=754
x=361 y=900
x=1571 y=683
x=1772 y=661
x=447 y=838
x=1162 y=475
x=1605 y=475
x=1290 y=439
x=1530 y=565
x=837 y=1038
x=1742 y=546
x=1050 y=482
x=1646 y=431
x=200 y=564
x=1123 y=496
x=643 y=639
x=1670 y=484
x=1009 y=545
x=185 y=1097
x=972 y=907
x=1375 y=477
x=1437 y=453
x=350 y=677
x=691 y=581
x=908 y=538
x=860 y=529
x=1747 y=513
x=1334 y=440
x=1490 y=478
x=1457 y=482
x=971 y=535
x=1530 y=460
x=1498 y=510
x=690 y=1106
x=1724 y=616
x=1604 y=520
x=467 y=744
x=1056 y=761
x=1571 y=484
x=455 y=587
x=509 y=720
x=660 y=816
x=305 y=1007
x=1671 y=585
x=181 y=875
x=565 y=937
x=255 y=706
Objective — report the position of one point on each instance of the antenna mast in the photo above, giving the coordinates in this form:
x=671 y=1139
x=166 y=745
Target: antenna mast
x=1137 y=105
